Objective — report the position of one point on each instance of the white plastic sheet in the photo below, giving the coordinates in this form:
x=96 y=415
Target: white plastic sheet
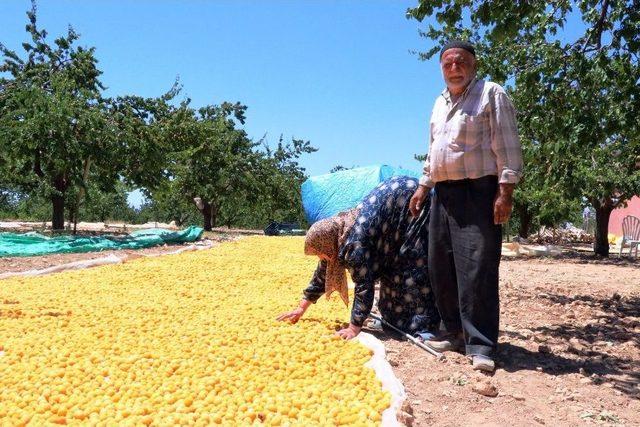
x=517 y=249
x=77 y=265
x=390 y=382
x=110 y=259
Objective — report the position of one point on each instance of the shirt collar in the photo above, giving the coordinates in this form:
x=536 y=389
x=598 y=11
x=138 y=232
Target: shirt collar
x=447 y=96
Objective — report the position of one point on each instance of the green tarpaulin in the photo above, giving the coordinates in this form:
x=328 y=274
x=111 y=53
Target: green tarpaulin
x=29 y=244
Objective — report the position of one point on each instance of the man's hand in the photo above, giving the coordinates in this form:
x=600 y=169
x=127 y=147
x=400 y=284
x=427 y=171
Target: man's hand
x=503 y=204
x=349 y=332
x=415 y=204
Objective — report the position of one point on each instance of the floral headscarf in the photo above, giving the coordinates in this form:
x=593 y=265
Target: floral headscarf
x=324 y=239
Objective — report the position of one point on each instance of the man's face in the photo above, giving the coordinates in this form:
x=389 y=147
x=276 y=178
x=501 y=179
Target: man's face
x=458 y=69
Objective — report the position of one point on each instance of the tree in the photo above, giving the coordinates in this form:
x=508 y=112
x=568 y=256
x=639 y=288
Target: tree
x=169 y=204
x=225 y=174
x=214 y=158
x=281 y=180
x=577 y=100
x=104 y=206
x=57 y=131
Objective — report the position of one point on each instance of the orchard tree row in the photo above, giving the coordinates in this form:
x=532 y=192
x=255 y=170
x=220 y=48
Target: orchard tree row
x=65 y=144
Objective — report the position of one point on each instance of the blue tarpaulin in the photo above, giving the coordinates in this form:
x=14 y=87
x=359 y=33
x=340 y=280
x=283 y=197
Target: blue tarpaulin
x=326 y=195
x=30 y=244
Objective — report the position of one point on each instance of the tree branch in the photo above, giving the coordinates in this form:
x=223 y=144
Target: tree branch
x=600 y=23
x=598 y=27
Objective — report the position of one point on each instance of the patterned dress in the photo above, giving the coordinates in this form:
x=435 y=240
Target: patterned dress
x=386 y=245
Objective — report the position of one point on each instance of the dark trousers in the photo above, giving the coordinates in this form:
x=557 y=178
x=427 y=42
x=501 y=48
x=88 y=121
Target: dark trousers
x=464 y=258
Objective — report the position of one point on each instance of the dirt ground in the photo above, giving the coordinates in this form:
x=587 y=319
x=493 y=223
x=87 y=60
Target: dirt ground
x=569 y=352
x=569 y=347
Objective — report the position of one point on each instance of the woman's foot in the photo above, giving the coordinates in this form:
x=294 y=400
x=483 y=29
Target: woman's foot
x=373 y=325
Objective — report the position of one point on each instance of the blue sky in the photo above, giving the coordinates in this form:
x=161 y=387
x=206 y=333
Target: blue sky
x=338 y=73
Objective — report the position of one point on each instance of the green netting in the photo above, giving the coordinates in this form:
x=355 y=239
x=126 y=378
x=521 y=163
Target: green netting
x=29 y=244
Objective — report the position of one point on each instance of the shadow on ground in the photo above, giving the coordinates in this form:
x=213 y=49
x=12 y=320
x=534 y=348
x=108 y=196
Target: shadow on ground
x=597 y=347
x=581 y=257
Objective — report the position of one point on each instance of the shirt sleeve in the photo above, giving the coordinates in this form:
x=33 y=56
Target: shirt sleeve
x=505 y=142
x=425 y=179
x=316 y=286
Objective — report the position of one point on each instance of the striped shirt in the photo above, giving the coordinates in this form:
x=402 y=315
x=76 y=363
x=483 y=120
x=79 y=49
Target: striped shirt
x=474 y=136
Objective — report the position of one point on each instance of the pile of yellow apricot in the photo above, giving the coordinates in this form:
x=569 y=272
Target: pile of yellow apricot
x=182 y=339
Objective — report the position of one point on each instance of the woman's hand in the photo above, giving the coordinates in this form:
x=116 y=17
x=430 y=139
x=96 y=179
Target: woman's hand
x=349 y=332
x=294 y=315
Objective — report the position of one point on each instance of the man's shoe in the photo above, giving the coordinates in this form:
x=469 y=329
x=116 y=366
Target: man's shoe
x=483 y=363
x=446 y=342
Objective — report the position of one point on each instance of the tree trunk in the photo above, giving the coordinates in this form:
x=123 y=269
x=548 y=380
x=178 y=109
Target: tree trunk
x=209 y=212
x=603 y=212
x=214 y=214
x=206 y=214
x=57 y=221
x=74 y=216
x=57 y=201
x=525 y=222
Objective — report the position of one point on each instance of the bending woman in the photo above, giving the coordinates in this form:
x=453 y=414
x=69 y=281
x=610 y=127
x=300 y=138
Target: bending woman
x=378 y=241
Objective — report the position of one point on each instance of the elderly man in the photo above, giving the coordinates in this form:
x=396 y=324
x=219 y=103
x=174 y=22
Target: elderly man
x=473 y=164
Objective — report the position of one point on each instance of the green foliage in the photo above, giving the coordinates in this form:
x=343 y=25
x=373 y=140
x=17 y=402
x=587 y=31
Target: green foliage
x=236 y=182
x=577 y=100
x=169 y=205
x=97 y=206
x=100 y=206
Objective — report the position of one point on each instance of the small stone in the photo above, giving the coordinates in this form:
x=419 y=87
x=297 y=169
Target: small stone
x=485 y=388
x=538 y=419
x=518 y=397
x=406 y=407
x=575 y=346
x=405 y=419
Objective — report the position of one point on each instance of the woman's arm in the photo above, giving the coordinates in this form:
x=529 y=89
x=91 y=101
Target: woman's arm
x=363 y=275
x=310 y=295
x=362 y=304
x=316 y=286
